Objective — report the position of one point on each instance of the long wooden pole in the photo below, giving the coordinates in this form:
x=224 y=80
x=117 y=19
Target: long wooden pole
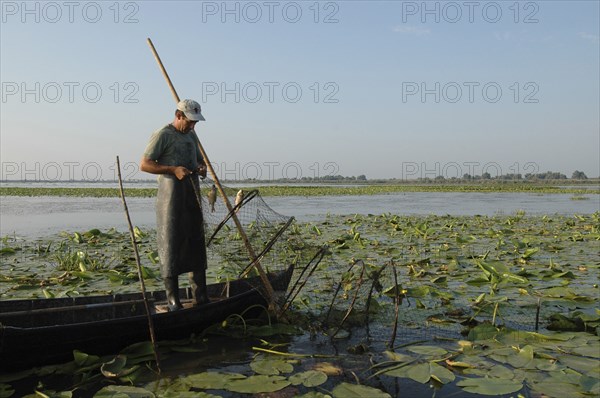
x=139 y=269
x=263 y=276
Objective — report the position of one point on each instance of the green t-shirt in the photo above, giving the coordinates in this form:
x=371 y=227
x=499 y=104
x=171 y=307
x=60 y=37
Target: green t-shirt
x=171 y=147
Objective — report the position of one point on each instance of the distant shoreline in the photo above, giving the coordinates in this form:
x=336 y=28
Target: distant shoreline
x=320 y=189
x=346 y=181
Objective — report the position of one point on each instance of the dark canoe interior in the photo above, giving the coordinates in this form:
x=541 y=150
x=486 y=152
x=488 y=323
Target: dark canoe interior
x=35 y=313
x=45 y=331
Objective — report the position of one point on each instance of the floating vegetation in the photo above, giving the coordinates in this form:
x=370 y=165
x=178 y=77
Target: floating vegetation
x=317 y=190
x=580 y=197
x=486 y=305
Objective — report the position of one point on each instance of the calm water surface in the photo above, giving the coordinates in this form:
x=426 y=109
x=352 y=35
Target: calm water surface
x=40 y=216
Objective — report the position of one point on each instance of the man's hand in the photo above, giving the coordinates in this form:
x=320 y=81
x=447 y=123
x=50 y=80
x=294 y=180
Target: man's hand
x=181 y=172
x=151 y=166
x=202 y=170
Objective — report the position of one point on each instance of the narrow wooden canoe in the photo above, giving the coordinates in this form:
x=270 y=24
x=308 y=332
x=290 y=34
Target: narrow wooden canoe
x=44 y=331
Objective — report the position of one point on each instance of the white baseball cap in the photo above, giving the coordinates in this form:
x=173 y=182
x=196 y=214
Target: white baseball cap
x=191 y=109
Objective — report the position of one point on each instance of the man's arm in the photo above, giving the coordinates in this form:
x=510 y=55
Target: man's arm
x=150 y=166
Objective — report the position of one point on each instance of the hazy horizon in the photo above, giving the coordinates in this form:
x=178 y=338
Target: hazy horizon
x=401 y=90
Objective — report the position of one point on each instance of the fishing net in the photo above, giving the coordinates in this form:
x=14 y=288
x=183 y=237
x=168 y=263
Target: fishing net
x=270 y=235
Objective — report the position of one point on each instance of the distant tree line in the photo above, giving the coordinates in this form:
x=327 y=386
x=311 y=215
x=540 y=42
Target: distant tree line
x=335 y=178
x=549 y=175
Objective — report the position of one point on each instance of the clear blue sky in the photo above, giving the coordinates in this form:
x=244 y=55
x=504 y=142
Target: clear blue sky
x=389 y=89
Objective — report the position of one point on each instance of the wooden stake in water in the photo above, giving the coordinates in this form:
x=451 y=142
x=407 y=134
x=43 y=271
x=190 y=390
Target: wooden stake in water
x=139 y=268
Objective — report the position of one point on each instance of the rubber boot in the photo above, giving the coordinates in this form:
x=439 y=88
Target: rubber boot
x=198 y=285
x=172 y=290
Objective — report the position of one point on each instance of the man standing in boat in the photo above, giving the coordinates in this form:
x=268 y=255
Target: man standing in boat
x=173 y=154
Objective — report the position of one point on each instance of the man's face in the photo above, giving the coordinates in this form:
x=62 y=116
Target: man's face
x=187 y=124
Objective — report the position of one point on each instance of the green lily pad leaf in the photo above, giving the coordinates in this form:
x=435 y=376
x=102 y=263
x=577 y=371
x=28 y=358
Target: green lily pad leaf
x=420 y=372
x=440 y=373
x=501 y=372
x=482 y=332
x=314 y=394
x=347 y=390
x=428 y=350
x=116 y=367
x=310 y=378
x=589 y=350
x=560 y=322
x=419 y=291
x=489 y=386
x=523 y=357
x=557 y=390
x=77 y=238
x=6 y=390
x=424 y=371
x=139 y=352
x=83 y=359
x=212 y=380
x=590 y=385
x=123 y=392
x=167 y=387
x=395 y=356
x=93 y=232
x=398 y=371
x=7 y=250
x=257 y=384
x=530 y=252
x=7 y=378
x=588 y=366
x=271 y=366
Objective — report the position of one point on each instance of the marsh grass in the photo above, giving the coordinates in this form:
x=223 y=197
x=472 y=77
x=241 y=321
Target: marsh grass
x=77 y=260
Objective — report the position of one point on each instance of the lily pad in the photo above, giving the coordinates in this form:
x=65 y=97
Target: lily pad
x=423 y=372
x=6 y=390
x=257 y=384
x=271 y=366
x=347 y=390
x=489 y=386
x=310 y=378
x=212 y=380
x=428 y=350
x=314 y=394
x=584 y=365
x=83 y=359
x=558 y=390
x=123 y=392
x=117 y=367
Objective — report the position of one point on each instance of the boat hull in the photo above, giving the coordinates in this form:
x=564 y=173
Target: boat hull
x=32 y=336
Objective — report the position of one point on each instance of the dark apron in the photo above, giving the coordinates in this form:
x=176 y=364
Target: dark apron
x=179 y=227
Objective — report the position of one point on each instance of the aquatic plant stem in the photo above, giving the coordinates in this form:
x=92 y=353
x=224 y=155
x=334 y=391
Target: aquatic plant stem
x=293 y=292
x=376 y=275
x=287 y=354
x=139 y=269
x=396 y=306
x=357 y=289
x=537 y=314
x=337 y=290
